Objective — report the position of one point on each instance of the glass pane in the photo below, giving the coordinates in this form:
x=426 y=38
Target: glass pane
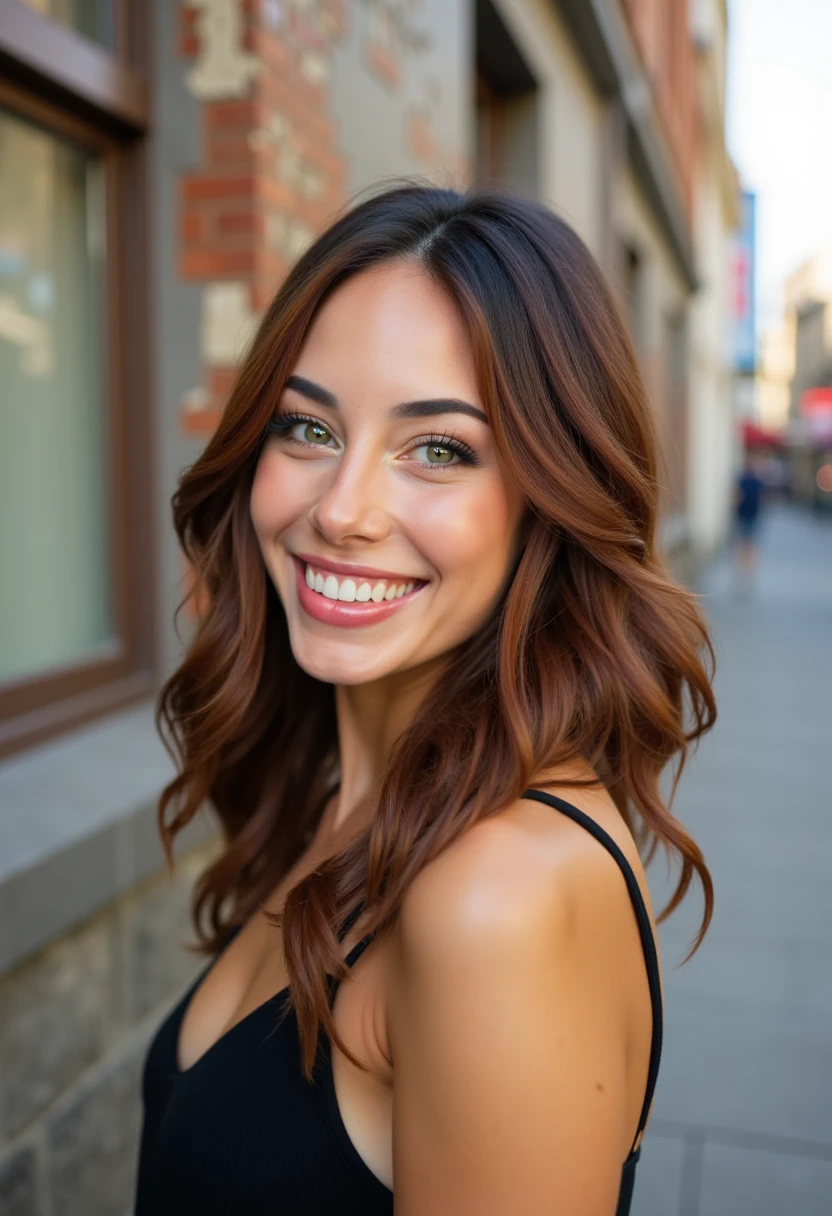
x=94 y=19
x=54 y=537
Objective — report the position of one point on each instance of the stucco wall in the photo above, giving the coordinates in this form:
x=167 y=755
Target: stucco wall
x=572 y=116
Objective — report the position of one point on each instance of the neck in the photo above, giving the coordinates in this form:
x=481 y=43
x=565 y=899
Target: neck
x=371 y=717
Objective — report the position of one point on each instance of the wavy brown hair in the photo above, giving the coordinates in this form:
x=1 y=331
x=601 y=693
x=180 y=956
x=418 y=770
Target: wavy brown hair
x=592 y=651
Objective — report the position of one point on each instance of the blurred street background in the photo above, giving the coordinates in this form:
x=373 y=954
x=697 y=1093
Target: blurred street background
x=744 y=1104
x=162 y=164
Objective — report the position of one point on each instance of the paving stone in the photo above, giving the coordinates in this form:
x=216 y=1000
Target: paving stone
x=93 y=1144
x=53 y=1014
x=748 y=1049
x=18 y=1185
x=736 y=1181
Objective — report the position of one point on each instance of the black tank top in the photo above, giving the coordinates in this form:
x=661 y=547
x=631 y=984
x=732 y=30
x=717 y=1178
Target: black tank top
x=242 y=1131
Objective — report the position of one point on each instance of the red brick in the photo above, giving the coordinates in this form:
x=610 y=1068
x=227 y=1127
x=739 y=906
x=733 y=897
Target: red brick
x=264 y=288
x=321 y=154
x=192 y=227
x=230 y=149
x=196 y=189
x=246 y=114
x=200 y=423
x=272 y=49
x=216 y=263
x=240 y=223
x=188 y=45
x=220 y=382
x=285 y=94
x=276 y=195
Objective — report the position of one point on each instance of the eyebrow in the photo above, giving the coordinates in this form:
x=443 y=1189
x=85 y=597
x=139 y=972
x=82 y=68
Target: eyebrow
x=406 y=409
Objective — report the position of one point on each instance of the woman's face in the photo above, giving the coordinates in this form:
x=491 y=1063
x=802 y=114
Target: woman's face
x=384 y=517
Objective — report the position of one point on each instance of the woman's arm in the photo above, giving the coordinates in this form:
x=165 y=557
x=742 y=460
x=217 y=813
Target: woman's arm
x=508 y=1031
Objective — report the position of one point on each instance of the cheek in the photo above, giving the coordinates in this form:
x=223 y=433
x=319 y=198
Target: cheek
x=470 y=534
x=275 y=498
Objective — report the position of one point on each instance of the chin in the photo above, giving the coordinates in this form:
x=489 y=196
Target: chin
x=331 y=665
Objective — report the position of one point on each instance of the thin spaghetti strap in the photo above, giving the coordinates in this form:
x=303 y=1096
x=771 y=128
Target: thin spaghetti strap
x=359 y=948
x=350 y=920
x=648 y=943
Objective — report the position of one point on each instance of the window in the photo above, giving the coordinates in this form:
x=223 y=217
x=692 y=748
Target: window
x=55 y=607
x=75 y=635
x=94 y=19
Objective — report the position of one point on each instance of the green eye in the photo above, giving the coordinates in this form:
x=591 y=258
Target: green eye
x=439 y=455
x=313 y=432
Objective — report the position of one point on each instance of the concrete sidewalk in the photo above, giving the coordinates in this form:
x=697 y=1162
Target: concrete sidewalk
x=743 y=1119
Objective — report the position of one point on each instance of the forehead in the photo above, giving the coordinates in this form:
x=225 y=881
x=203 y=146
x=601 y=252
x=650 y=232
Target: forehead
x=392 y=327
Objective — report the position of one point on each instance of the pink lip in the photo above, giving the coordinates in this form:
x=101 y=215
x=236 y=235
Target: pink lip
x=366 y=572
x=335 y=612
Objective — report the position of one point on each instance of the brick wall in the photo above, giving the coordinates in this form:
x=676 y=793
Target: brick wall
x=271 y=173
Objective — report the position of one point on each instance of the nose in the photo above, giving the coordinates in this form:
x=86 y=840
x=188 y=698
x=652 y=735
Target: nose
x=352 y=504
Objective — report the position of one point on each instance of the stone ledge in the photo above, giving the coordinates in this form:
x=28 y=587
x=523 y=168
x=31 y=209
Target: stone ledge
x=78 y=827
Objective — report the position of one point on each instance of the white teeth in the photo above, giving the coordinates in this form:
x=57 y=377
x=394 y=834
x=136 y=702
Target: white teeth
x=348 y=590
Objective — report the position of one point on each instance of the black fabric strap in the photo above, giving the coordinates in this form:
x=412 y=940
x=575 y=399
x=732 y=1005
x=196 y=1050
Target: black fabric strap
x=350 y=920
x=359 y=948
x=645 y=930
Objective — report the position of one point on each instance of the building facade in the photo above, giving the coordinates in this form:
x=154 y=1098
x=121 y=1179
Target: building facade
x=163 y=164
x=807 y=325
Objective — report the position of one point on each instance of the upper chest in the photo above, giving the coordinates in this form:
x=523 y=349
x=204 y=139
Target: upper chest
x=251 y=973
x=228 y=1040
x=252 y=970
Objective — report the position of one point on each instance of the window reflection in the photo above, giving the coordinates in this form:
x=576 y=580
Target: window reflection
x=54 y=539
x=95 y=19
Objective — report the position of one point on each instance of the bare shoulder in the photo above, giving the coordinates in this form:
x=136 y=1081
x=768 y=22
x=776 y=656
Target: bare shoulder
x=518 y=1017
x=528 y=875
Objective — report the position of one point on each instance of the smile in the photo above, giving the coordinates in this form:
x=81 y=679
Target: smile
x=335 y=598
x=349 y=590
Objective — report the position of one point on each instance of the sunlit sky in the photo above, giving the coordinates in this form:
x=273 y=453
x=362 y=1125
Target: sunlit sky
x=780 y=131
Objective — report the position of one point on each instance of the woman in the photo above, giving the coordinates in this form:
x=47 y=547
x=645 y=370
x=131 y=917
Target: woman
x=425 y=533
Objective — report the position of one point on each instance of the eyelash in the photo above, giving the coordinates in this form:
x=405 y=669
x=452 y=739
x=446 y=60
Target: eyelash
x=281 y=424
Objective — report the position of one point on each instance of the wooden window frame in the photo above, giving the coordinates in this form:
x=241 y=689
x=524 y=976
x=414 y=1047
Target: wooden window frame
x=71 y=87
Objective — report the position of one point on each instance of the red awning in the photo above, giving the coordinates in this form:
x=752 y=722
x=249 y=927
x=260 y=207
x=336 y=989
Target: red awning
x=754 y=436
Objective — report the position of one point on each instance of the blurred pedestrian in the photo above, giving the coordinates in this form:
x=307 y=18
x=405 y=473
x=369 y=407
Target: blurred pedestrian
x=748 y=506
x=425 y=526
